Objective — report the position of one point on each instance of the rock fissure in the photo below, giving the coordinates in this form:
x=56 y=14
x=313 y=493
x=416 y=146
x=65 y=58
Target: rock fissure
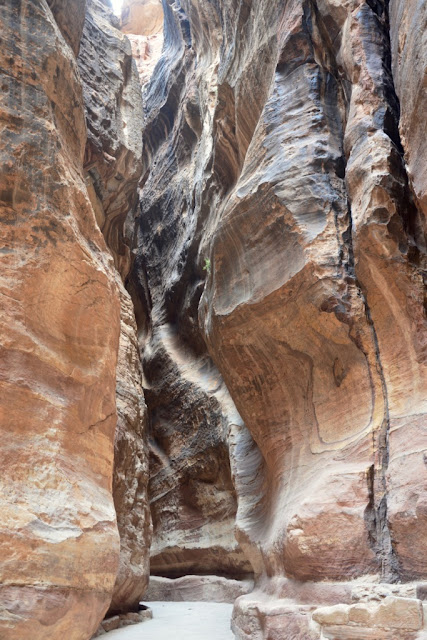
x=378 y=483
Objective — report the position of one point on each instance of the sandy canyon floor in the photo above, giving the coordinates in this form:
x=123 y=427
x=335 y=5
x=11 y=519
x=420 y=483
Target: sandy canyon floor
x=181 y=621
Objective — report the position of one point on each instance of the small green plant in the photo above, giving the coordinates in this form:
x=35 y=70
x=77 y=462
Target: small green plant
x=207 y=265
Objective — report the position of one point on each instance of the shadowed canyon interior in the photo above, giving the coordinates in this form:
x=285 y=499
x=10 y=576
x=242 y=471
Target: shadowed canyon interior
x=213 y=315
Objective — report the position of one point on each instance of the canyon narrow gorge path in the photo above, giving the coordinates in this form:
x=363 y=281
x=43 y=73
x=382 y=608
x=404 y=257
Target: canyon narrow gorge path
x=181 y=621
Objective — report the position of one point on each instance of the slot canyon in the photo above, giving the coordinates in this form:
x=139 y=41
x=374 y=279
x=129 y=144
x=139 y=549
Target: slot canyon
x=213 y=336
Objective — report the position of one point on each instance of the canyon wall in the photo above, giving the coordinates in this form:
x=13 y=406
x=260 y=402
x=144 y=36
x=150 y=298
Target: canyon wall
x=228 y=272
x=142 y=21
x=281 y=227
x=408 y=33
x=192 y=497
x=68 y=334
x=113 y=165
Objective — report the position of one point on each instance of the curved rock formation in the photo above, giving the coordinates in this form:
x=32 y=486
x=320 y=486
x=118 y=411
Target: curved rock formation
x=67 y=321
x=193 y=501
x=142 y=21
x=113 y=164
x=60 y=318
x=263 y=247
x=278 y=224
x=408 y=31
x=142 y=17
x=113 y=105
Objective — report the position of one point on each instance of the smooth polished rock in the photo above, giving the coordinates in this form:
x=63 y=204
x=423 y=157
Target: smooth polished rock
x=60 y=324
x=280 y=228
x=142 y=17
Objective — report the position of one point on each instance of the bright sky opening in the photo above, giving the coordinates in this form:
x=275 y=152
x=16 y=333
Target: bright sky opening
x=117 y=6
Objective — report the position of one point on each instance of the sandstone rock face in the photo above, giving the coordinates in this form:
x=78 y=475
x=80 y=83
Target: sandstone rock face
x=197 y=589
x=408 y=30
x=60 y=320
x=372 y=620
x=391 y=618
x=276 y=291
x=193 y=501
x=278 y=226
x=142 y=21
x=142 y=17
x=70 y=17
x=130 y=479
x=113 y=104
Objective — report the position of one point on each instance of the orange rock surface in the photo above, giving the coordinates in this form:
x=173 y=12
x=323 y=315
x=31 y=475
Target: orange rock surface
x=68 y=335
x=113 y=105
x=220 y=263
x=280 y=224
x=60 y=317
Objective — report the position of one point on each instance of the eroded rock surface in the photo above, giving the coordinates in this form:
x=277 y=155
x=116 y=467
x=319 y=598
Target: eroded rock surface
x=113 y=165
x=142 y=17
x=69 y=344
x=278 y=289
x=196 y=589
x=408 y=31
x=193 y=501
x=130 y=481
x=113 y=103
x=60 y=323
x=70 y=17
x=142 y=21
x=280 y=228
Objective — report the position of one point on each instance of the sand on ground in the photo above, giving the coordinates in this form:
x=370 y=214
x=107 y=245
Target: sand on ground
x=181 y=621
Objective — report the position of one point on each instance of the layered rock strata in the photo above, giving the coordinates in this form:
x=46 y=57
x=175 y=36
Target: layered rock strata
x=60 y=325
x=67 y=324
x=193 y=501
x=113 y=105
x=278 y=285
x=192 y=497
x=279 y=227
x=408 y=32
x=196 y=589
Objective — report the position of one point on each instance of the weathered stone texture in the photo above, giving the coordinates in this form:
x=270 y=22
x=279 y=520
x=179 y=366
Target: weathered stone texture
x=279 y=227
x=70 y=17
x=193 y=501
x=278 y=283
x=60 y=317
x=113 y=103
x=130 y=479
x=197 y=589
x=67 y=320
x=142 y=21
x=408 y=31
x=113 y=165
x=142 y=17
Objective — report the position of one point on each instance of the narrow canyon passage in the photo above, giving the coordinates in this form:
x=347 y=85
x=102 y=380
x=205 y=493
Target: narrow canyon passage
x=181 y=621
x=213 y=319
